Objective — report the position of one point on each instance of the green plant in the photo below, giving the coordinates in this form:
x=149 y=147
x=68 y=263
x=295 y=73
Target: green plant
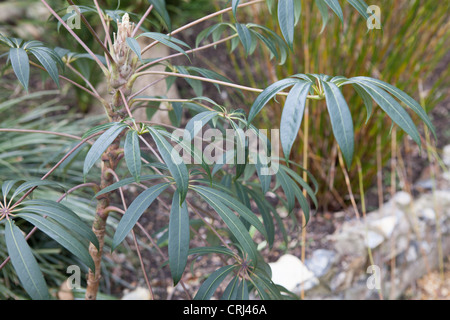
x=405 y=52
x=151 y=151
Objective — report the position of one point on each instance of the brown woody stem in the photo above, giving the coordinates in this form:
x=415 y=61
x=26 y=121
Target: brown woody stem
x=109 y=162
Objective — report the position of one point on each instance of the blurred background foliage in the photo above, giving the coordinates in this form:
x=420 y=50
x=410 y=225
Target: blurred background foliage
x=23 y=19
x=410 y=52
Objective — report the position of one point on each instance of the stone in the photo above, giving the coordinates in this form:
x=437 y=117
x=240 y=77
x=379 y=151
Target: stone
x=290 y=272
x=307 y=285
x=137 y=294
x=350 y=240
x=385 y=225
x=10 y=12
x=338 y=281
x=402 y=198
x=428 y=214
x=373 y=239
x=411 y=254
x=446 y=155
x=321 y=262
x=446 y=175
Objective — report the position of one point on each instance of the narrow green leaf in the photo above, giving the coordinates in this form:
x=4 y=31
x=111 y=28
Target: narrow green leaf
x=302 y=182
x=268 y=94
x=132 y=153
x=341 y=120
x=366 y=99
x=210 y=285
x=277 y=46
x=195 y=84
x=31 y=184
x=166 y=40
x=128 y=181
x=176 y=114
x=287 y=186
x=7 y=186
x=21 y=65
x=47 y=62
x=297 y=11
x=102 y=143
x=70 y=221
x=197 y=122
x=25 y=263
x=269 y=44
x=402 y=96
x=302 y=201
x=286 y=20
x=216 y=30
x=292 y=115
x=235 y=205
x=336 y=7
x=160 y=8
x=264 y=210
x=52 y=54
x=135 y=211
x=231 y=291
x=361 y=7
x=393 y=109
x=62 y=236
x=173 y=161
x=209 y=74
x=209 y=250
x=242 y=293
x=235 y=225
x=135 y=47
x=97 y=129
x=245 y=36
x=178 y=238
x=260 y=287
x=234 y=5
x=261 y=170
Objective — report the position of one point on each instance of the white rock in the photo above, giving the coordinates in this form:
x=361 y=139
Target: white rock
x=446 y=155
x=137 y=294
x=307 y=285
x=320 y=261
x=446 y=175
x=385 y=225
x=411 y=254
x=429 y=214
x=290 y=272
x=373 y=239
x=402 y=198
x=337 y=281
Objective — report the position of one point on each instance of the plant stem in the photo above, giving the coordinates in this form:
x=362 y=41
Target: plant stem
x=105 y=71
x=212 y=15
x=71 y=81
x=223 y=83
x=305 y=178
x=91 y=30
x=363 y=209
x=142 y=20
x=151 y=84
x=109 y=161
x=393 y=191
x=186 y=52
x=105 y=28
x=83 y=78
